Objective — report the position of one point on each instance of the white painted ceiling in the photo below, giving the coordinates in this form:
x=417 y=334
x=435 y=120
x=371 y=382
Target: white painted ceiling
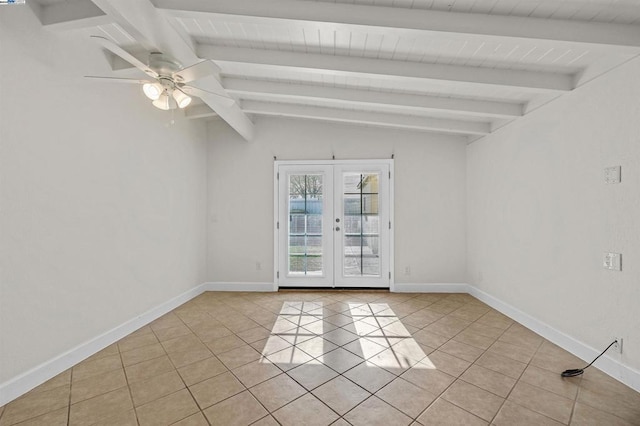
x=461 y=67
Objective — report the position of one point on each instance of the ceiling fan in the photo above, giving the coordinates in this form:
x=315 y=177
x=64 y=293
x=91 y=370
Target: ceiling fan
x=168 y=87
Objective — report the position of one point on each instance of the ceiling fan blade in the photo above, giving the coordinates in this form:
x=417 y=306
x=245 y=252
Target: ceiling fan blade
x=194 y=91
x=118 y=79
x=196 y=72
x=117 y=50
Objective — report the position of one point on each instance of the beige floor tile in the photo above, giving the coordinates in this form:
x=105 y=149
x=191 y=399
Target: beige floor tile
x=551 y=381
x=471 y=398
x=584 y=415
x=444 y=413
x=100 y=407
x=496 y=320
x=473 y=339
x=489 y=380
x=125 y=418
x=339 y=319
x=35 y=404
x=210 y=330
x=54 y=418
x=340 y=360
x=134 y=341
x=370 y=377
x=306 y=410
x=461 y=350
x=97 y=385
x=446 y=363
x=167 y=410
x=277 y=391
x=429 y=338
x=156 y=387
x=201 y=370
x=430 y=379
x=225 y=344
x=270 y=345
x=310 y=376
x=181 y=359
x=256 y=372
x=485 y=330
x=364 y=348
x=316 y=346
x=148 y=369
x=266 y=421
x=340 y=336
x=239 y=356
x=598 y=395
x=169 y=333
x=508 y=350
x=143 y=353
x=289 y=358
x=197 y=419
x=501 y=364
x=186 y=343
x=341 y=394
x=94 y=367
x=254 y=334
x=406 y=397
x=216 y=389
x=448 y=326
x=375 y=411
x=166 y=321
x=513 y=414
x=542 y=401
x=242 y=409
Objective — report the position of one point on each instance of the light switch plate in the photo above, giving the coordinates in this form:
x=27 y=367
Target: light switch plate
x=613 y=261
x=612 y=174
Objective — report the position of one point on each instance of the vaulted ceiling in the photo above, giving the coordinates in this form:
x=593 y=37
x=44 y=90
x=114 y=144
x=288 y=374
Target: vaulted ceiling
x=460 y=67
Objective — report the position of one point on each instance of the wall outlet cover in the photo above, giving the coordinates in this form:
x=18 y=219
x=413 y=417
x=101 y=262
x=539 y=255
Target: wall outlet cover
x=613 y=261
x=612 y=174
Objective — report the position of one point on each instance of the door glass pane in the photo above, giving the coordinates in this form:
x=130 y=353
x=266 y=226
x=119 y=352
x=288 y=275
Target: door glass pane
x=361 y=224
x=305 y=225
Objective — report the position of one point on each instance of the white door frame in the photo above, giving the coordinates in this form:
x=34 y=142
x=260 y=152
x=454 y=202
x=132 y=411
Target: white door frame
x=276 y=210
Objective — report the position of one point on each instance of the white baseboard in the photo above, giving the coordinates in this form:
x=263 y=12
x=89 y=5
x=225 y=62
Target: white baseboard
x=430 y=288
x=239 y=286
x=606 y=363
x=23 y=383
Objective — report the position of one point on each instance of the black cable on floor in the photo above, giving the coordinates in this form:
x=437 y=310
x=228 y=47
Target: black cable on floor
x=579 y=371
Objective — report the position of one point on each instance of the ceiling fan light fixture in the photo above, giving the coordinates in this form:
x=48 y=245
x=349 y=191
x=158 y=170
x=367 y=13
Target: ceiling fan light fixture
x=152 y=90
x=181 y=98
x=163 y=102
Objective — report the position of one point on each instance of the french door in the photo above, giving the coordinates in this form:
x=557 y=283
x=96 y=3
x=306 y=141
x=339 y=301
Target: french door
x=333 y=224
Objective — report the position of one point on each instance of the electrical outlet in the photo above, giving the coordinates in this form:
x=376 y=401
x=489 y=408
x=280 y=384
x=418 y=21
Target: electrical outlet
x=612 y=175
x=618 y=345
x=407 y=270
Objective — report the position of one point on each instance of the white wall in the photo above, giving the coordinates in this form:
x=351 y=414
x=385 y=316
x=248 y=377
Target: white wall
x=540 y=216
x=429 y=195
x=102 y=201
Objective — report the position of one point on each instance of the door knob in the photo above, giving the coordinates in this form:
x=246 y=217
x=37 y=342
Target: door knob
x=337 y=228
x=337 y=220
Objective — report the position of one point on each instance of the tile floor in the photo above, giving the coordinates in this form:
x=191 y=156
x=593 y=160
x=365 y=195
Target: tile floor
x=320 y=358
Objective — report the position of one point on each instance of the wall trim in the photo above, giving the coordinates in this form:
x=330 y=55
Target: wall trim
x=607 y=363
x=430 y=288
x=24 y=382
x=239 y=286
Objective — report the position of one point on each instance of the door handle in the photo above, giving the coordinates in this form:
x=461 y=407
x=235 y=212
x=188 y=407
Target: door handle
x=337 y=228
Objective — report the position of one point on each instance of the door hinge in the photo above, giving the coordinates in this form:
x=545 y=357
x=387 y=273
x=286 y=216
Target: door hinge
x=389 y=175
x=278 y=274
x=389 y=274
x=389 y=224
x=277 y=225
